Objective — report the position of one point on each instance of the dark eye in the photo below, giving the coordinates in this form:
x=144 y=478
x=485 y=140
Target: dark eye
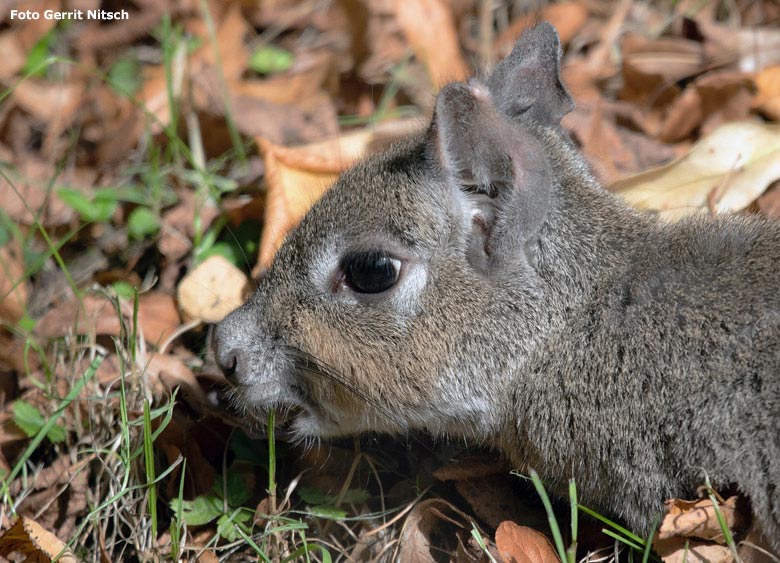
x=370 y=271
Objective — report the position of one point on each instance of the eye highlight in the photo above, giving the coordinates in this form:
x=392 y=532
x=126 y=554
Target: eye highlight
x=370 y=271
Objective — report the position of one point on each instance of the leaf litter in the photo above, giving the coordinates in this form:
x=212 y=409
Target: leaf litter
x=133 y=211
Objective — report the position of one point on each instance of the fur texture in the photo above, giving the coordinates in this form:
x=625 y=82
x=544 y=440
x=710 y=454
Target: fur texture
x=533 y=311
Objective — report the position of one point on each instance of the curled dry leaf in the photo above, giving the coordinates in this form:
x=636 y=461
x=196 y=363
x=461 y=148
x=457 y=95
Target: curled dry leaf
x=297 y=177
x=726 y=171
x=213 y=289
x=415 y=541
x=521 y=544
x=698 y=519
x=440 y=51
x=28 y=538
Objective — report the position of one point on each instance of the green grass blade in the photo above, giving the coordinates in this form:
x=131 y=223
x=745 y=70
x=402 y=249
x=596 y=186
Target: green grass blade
x=556 y=532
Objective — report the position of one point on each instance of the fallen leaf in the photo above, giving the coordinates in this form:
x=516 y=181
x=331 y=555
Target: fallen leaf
x=471 y=467
x=769 y=202
x=682 y=550
x=415 y=539
x=14 y=289
x=14 y=55
x=767 y=99
x=726 y=171
x=157 y=317
x=698 y=519
x=27 y=537
x=440 y=51
x=297 y=177
x=521 y=544
x=493 y=500
x=211 y=290
x=26 y=192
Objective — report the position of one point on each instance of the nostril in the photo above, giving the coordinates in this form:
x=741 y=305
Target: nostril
x=228 y=362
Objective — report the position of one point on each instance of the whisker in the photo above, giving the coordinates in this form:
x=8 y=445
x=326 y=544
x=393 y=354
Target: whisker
x=307 y=362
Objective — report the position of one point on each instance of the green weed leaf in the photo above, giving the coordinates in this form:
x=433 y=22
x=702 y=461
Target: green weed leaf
x=142 y=223
x=99 y=208
x=30 y=420
x=270 y=59
x=201 y=510
x=125 y=76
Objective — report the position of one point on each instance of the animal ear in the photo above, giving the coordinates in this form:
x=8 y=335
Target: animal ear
x=527 y=83
x=498 y=173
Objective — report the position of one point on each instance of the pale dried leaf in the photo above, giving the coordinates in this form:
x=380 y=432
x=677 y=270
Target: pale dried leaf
x=27 y=537
x=682 y=550
x=726 y=171
x=415 y=539
x=697 y=519
x=521 y=544
x=213 y=289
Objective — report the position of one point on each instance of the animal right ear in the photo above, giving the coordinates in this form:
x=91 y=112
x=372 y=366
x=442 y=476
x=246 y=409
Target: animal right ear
x=528 y=82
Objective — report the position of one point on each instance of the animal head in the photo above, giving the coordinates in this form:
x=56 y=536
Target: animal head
x=407 y=290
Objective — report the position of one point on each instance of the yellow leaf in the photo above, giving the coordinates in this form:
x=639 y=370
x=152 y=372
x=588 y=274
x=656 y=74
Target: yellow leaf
x=726 y=171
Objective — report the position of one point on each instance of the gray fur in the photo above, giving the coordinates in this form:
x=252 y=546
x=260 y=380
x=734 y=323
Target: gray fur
x=535 y=312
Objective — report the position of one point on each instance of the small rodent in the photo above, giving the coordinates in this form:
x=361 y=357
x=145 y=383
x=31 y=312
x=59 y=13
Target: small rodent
x=475 y=281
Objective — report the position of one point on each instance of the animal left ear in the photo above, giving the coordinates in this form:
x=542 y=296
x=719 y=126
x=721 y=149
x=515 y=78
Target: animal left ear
x=497 y=171
x=527 y=83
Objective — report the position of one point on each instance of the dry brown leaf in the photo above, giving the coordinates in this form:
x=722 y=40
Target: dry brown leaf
x=28 y=196
x=726 y=171
x=769 y=202
x=712 y=99
x=211 y=290
x=297 y=177
x=767 y=99
x=157 y=317
x=567 y=17
x=698 y=519
x=49 y=103
x=233 y=53
x=14 y=55
x=521 y=544
x=415 y=539
x=172 y=372
x=493 y=500
x=28 y=538
x=439 y=51
x=682 y=550
x=752 y=48
x=14 y=289
x=471 y=467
